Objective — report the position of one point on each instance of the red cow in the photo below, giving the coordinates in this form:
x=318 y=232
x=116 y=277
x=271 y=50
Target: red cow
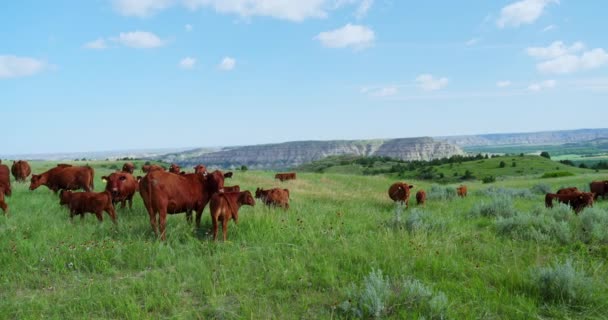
x=420 y=197
x=228 y=174
x=578 y=201
x=64 y=165
x=92 y=202
x=174 y=168
x=21 y=170
x=147 y=168
x=167 y=193
x=200 y=169
x=122 y=187
x=67 y=178
x=400 y=191
x=285 y=176
x=128 y=167
x=236 y=188
x=5 y=187
x=462 y=191
x=274 y=197
x=600 y=188
x=225 y=206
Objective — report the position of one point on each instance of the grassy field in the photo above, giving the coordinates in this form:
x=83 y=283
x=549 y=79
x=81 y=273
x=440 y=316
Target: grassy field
x=341 y=251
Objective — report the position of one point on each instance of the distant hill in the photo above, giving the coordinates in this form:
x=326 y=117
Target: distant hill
x=529 y=139
x=292 y=154
x=95 y=155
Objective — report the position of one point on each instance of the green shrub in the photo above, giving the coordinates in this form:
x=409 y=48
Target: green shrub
x=499 y=206
x=563 y=284
x=371 y=299
x=438 y=192
x=541 y=188
x=420 y=220
x=594 y=226
x=557 y=174
x=524 y=226
x=509 y=192
x=489 y=179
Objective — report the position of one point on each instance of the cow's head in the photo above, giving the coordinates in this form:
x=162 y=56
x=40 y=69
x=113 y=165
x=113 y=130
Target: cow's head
x=174 y=168
x=214 y=182
x=128 y=167
x=114 y=182
x=64 y=197
x=200 y=169
x=259 y=193
x=37 y=180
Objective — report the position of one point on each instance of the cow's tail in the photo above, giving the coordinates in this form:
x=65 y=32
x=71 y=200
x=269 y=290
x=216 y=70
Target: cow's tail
x=92 y=176
x=234 y=212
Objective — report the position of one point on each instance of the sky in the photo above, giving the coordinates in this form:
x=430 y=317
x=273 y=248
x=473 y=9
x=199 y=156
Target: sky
x=102 y=75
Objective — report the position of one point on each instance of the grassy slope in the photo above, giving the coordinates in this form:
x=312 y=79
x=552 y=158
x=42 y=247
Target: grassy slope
x=277 y=265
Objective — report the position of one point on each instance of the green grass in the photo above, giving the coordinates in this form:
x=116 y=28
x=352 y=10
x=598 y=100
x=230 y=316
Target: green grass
x=294 y=264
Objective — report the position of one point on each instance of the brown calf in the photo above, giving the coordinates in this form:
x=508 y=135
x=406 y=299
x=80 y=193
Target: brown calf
x=400 y=192
x=81 y=202
x=420 y=197
x=21 y=170
x=462 y=191
x=122 y=186
x=285 y=176
x=225 y=206
x=274 y=197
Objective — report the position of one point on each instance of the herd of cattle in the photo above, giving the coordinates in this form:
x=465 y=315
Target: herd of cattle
x=163 y=192
x=175 y=191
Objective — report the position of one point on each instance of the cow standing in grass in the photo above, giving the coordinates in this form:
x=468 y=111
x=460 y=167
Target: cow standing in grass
x=400 y=192
x=122 y=186
x=421 y=197
x=274 y=197
x=600 y=188
x=128 y=167
x=80 y=203
x=65 y=178
x=5 y=187
x=225 y=206
x=577 y=200
x=21 y=170
x=462 y=191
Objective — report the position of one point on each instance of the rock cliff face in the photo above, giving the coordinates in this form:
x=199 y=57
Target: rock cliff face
x=291 y=154
x=533 y=138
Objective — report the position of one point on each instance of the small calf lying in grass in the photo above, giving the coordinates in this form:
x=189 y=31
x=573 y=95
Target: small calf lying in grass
x=225 y=206
x=92 y=202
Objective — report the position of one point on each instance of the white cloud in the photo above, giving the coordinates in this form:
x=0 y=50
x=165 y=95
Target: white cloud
x=559 y=58
x=139 y=39
x=363 y=8
x=14 y=67
x=296 y=10
x=356 y=36
x=188 y=27
x=140 y=8
x=503 y=84
x=522 y=12
x=428 y=82
x=96 y=44
x=554 y=50
x=547 y=84
x=187 y=63
x=473 y=41
x=227 y=64
x=549 y=28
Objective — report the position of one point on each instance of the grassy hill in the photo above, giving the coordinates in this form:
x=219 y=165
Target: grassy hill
x=452 y=259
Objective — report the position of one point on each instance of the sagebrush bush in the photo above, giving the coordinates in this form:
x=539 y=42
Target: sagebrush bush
x=594 y=226
x=526 y=226
x=420 y=220
x=562 y=283
x=541 y=188
x=499 y=206
x=437 y=192
x=511 y=192
x=378 y=297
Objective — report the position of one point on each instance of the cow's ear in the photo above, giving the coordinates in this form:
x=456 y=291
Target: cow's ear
x=411 y=186
x=104 y=179
x=138 y=178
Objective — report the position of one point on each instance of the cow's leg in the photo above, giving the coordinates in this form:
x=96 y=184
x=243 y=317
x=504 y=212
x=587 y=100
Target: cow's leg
x=162 y=222
x=224 y=228
x=99 y=215
x=130 y=198
x=123 y=203
x=153 y=222
x=214 y=219
x=110 y=210
x=4 y=207
x=189 y=216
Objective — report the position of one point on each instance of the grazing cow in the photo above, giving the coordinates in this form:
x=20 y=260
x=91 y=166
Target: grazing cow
x=128 y=167
x=567 y=190
x=147 y=168
x=92 y=202
x=64 y=165
x=274 y=197
x=578 y=201
x=174 y=168
x=5 y=187
x=462 y=191
x=67 y=178
x=600 y=188
x=228 y=174
x=285 y=176
x=225 y=206
x=122 y=187
x=21 y=170
x=167 y=193
x=200 y=169
x=236 y=188
x=400 y=192
x=420 y=197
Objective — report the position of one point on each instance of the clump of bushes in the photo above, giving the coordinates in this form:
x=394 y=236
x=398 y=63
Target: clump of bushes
x=379 y=297
x=541 y=188
x=500 y=206
x=526 y=226
x=557 y=174
x=489 y=179
x=420 y=220
x=562 y=283
x=594 y=226
x=509 y=192
x=437 y=192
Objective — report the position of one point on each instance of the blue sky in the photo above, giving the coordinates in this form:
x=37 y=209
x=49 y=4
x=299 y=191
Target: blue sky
x=130 y=74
